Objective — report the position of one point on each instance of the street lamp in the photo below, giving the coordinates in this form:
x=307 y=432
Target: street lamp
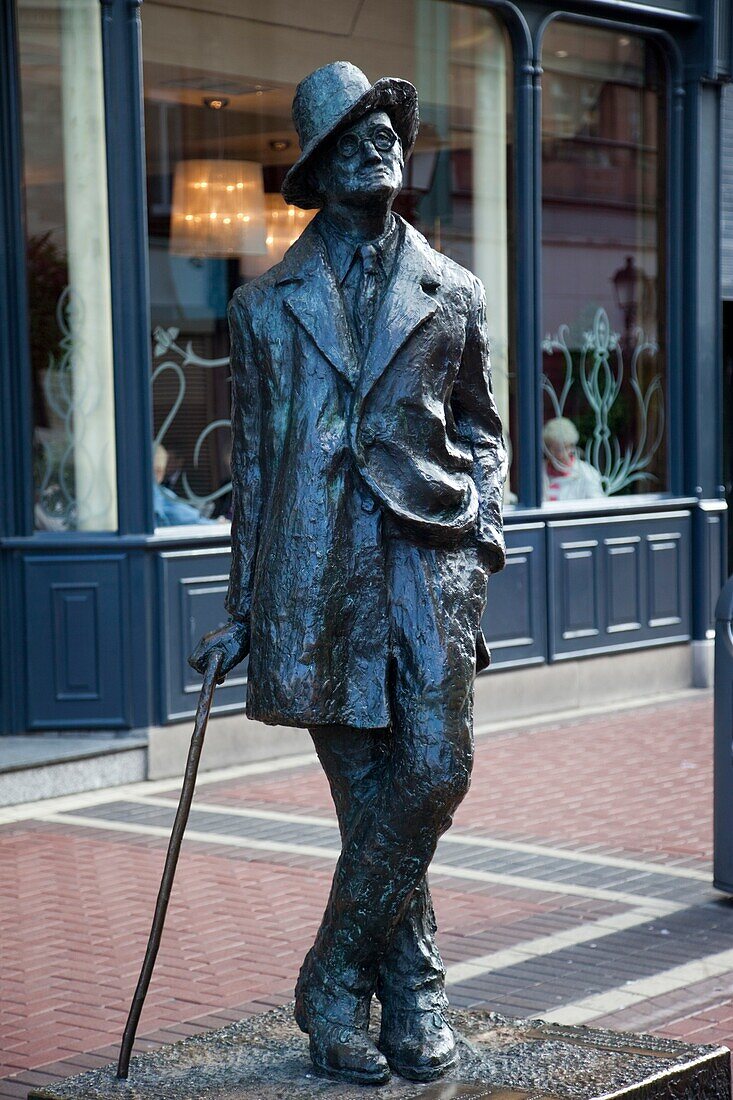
x=628 y=283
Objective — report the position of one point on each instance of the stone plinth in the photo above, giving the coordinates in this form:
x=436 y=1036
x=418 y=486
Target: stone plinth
x=266 y=1058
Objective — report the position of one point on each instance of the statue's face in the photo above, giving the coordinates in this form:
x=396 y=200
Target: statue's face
x=363 y=165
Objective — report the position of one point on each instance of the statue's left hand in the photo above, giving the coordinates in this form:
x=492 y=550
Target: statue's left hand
x=491 y=557
x=232 y=641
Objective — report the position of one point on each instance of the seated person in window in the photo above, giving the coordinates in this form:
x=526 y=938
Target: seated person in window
x=170 y=510
x=565 y=476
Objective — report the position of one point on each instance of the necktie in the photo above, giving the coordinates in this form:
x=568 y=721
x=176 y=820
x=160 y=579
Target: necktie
x=368 y=294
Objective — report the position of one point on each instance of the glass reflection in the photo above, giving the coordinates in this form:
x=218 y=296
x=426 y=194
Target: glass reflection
x=604 y=355
x=67 y=263
x=218 y=94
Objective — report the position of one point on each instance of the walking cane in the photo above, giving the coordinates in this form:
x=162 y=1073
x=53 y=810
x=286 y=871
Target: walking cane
x=174 y=847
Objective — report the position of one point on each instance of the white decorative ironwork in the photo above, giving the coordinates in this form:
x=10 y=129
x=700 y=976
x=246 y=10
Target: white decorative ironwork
x=57 y=504
x=165 y=343
x=600 y=372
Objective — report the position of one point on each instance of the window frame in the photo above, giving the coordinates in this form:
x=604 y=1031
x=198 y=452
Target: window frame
x=518 y=46
x=122 y=53
x=671 y=104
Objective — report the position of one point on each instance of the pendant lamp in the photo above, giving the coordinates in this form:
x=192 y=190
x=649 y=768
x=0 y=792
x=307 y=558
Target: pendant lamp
x=218 y=209
x=285 y=223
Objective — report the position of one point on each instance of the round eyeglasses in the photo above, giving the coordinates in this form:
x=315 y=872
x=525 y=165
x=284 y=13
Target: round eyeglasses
x=381 y=138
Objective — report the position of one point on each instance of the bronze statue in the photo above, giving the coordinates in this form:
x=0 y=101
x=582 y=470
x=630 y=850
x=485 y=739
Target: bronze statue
x=368 y=468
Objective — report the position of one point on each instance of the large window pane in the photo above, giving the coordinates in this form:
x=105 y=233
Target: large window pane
x=68 y=264
x=603 y=298
x=219 y=82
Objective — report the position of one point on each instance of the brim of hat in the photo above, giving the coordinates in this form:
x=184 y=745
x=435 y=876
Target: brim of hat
x=397 y=97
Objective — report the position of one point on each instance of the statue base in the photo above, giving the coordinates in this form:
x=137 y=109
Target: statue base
x=266 y=1058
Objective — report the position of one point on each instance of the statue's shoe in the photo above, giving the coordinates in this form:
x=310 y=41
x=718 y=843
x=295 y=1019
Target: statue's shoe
x=419 y=1043
x=346 y=1053
x=336 y=1022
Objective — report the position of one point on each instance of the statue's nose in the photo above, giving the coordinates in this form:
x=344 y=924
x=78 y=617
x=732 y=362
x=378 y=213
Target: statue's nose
x=371 y=154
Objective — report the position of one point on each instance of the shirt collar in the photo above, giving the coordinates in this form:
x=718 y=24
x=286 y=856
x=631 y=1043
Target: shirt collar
x=343 y=249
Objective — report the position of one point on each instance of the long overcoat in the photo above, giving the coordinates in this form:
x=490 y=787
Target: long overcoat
x=334 y=452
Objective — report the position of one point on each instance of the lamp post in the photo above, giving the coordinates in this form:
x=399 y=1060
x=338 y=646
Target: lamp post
x=628 y=284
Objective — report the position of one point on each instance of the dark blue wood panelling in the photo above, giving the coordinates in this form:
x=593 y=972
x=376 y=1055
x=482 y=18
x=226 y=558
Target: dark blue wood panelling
x=514 y=621
x=193 y=586
x=75 y=635
x=664 y=592
x=623 y=583
x=618 y=582
x=75 y=631
x=578 y=584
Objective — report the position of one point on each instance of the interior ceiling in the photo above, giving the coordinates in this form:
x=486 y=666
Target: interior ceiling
x=325 y=17
x=201 y=48
x=257 y=115
x=250 y=125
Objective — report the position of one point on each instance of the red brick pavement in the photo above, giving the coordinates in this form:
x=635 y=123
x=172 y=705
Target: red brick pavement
x=78 y=914
x=75 y=903
x=636 y=782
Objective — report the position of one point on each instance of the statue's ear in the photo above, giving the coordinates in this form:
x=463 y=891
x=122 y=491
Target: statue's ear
x=315 y=178
x=314 y=183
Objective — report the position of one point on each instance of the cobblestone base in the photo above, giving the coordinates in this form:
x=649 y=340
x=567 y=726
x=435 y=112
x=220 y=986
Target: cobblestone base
x=266 y=1058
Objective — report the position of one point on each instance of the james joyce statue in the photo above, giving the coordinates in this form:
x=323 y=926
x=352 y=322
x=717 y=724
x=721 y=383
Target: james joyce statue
x=368 y=469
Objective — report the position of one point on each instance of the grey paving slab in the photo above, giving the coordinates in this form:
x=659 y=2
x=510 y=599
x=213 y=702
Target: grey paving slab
x=37 y=750
x=127 y=763
x=465 y=856
x=580 y=971
x=537 y=984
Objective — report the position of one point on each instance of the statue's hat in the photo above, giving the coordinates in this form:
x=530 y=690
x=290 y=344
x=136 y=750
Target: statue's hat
x=336 y=96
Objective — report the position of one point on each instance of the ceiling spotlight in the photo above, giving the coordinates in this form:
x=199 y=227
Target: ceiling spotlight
x=280 y=145
x=216 y=103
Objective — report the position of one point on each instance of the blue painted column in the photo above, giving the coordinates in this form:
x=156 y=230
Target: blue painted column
x=16 y=511
x=529 y=278
x=702 y=375
x=702 y=407
x=121 y=43
x=122 y=46
x=16 y=497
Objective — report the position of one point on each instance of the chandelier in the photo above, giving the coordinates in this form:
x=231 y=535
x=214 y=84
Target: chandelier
x=285 y=223
x=218 y=209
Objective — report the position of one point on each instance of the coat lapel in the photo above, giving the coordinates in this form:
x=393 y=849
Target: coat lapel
x=407 y=303
x=316 y=303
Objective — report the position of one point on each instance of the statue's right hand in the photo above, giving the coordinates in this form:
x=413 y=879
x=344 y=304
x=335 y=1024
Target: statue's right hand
x=232 y=641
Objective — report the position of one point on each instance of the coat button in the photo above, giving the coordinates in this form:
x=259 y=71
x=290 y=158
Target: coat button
x=369 y=505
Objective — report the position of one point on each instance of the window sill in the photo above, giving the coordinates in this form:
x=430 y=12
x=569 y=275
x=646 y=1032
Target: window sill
x=592 y=509
x=219 y=535
x=215 y=535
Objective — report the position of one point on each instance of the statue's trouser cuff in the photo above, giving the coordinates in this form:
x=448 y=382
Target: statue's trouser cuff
x=323 y=997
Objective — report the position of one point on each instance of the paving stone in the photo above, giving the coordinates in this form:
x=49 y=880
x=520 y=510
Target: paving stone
x=76 y=902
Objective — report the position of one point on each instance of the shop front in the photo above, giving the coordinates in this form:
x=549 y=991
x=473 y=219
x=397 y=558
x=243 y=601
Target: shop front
x=569 y=157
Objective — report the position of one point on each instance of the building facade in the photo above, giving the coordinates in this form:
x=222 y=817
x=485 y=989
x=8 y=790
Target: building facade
x=568 y=154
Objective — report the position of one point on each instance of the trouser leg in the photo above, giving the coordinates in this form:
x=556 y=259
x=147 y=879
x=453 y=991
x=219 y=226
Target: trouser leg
x=437 y=599
x=354 y=761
